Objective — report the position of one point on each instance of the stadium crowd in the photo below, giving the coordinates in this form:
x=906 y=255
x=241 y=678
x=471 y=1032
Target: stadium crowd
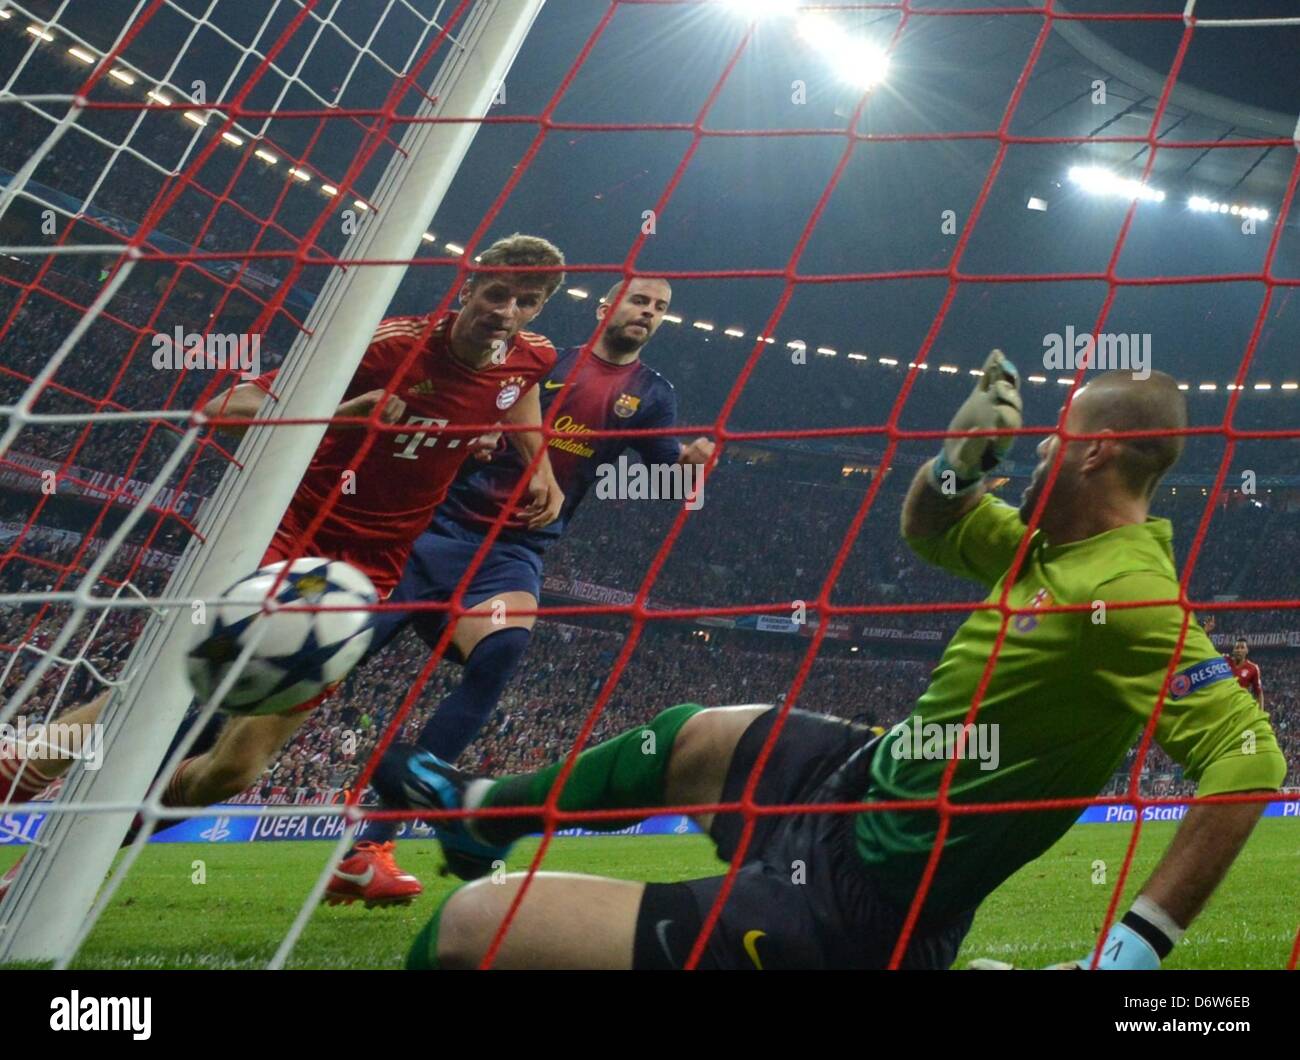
x=782 y=504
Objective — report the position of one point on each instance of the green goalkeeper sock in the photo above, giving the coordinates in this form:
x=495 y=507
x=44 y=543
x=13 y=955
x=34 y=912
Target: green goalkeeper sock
x=627 y=771
x=423 y=955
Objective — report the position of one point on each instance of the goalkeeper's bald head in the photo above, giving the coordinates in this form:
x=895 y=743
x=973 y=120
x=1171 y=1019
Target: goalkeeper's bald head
x=1109 y=479
x=1119 y=402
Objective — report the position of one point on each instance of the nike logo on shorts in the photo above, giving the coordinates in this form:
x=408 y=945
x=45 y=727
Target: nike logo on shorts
x=661 y=933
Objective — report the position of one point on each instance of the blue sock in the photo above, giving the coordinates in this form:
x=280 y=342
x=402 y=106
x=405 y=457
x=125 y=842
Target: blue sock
x=462 y=713
x=459 y=717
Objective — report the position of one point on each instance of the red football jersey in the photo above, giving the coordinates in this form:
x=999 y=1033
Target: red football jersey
x=1247 y=674
x=404 y=477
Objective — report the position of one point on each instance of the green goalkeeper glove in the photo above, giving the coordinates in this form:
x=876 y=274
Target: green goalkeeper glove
x=994 y=404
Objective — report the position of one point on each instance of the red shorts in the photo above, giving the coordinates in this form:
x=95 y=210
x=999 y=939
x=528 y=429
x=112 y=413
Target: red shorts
x=381 y=564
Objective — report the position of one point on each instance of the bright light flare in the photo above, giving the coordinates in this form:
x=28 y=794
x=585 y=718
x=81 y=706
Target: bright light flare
x=1100 y=181
x=854 y=59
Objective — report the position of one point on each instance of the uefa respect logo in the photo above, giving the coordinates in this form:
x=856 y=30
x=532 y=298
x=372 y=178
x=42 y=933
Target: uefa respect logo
x=215 y=351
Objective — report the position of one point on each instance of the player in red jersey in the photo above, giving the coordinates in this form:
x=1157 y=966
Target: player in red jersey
x=1246 y=671
x=476 y=365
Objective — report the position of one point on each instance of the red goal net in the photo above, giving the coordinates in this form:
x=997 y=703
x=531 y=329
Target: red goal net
x=853 y=202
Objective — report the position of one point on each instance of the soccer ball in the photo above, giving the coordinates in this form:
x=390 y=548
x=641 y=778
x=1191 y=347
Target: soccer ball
x=300 y=653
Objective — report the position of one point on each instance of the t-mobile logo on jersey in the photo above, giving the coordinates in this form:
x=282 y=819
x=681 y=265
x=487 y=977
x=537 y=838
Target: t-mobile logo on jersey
x=626 y=481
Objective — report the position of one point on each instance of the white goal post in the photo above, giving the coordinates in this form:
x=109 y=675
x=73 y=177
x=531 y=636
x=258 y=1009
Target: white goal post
x=47 y=913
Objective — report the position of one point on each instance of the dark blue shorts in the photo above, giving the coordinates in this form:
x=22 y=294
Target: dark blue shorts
x=437 y=563
x=802 y=898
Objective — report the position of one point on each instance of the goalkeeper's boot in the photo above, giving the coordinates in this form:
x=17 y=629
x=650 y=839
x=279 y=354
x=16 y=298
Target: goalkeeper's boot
x=7 y=880
x=410 y=777
x=369 y=874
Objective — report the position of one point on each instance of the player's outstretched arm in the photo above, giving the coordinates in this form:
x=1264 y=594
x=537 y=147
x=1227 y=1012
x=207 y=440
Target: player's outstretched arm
x=238 y=403
x=546 y=497
x=698 y=452
x=952 y=483
x=1207 y=842
x=929 y=513
x=243 y=402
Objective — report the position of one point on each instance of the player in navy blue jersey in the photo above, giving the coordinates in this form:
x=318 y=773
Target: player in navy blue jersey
x=612 y=389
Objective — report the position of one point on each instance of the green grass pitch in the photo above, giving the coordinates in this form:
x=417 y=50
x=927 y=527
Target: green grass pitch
x=1049 y=911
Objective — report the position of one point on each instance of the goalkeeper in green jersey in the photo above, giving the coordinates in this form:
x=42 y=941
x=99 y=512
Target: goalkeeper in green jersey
x=1069 y=695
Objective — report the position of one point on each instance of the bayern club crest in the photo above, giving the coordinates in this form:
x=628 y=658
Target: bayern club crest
x=510 y=391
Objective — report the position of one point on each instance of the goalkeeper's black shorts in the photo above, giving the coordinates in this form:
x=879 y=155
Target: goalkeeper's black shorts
x=803 y=898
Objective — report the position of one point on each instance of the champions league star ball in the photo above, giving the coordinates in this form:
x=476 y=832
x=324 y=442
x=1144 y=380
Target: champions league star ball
x=297 y=653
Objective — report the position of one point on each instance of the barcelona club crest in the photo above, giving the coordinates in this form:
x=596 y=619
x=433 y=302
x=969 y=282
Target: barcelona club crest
x=626 y=405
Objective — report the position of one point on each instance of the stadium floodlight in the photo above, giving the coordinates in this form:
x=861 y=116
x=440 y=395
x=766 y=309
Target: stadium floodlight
x=1291 y=386
x=1101 y=181
x=826 y=351
x=1200 y=204
x=360 y=205
x=948 y=369
x=734 y=333
x=1263 y=386
x=854 y=59
x=83 y=55
x=1038 y=379
x=123 y=76
x=1035 y=203
x=329 y=190
x=796 y=344
x=266 y=156
x=1208 y=386
x=672 y=318
x=196 y=117
x=429 y=237
x=231 y=138
x=577 y=292
x=159 y=97
x=770 y=340
x=1183 y=386
x=300 y=174
x=889 y=361
x=858 y=357
x=703 y=325
x=5 y=15
x=40 y=32
x=454 y=248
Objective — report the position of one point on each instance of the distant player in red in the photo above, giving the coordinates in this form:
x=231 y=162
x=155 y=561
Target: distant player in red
x=1247 y=672
x=476 y=365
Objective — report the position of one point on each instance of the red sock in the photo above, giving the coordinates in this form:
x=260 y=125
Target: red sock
x=29 y=785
